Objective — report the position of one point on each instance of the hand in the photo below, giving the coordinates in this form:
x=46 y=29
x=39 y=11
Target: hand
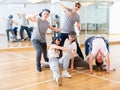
x=91 y=72
x=108 y=72
x=68 y=13
x=59 y=29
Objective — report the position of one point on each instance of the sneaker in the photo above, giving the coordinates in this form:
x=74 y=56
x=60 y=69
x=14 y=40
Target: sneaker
x=21 y=40
x=45 y=65
x=28 y=39
x=59 y=80
x=39 y=69
x=66 y=74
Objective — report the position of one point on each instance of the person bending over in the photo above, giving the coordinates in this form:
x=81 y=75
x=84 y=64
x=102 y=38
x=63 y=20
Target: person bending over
x=97 y=48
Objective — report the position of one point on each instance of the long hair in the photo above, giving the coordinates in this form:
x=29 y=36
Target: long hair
x=99 y=64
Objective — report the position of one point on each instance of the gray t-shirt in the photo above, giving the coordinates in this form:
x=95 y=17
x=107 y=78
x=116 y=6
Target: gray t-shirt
x=9 y=24
x=24 y=21
x=69 y=21
x=40 y=31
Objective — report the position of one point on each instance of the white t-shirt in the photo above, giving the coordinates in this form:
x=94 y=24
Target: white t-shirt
x=99 y=44
x=73 y=45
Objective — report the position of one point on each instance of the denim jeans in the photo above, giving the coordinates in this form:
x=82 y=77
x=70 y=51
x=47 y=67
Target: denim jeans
x=13 y=34
x=27 y=30
x=40 y=48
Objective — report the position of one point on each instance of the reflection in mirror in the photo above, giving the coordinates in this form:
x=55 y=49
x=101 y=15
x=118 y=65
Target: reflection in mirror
x=94 y=18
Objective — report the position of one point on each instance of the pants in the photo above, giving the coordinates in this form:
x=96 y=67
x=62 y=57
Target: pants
x=13 y=34
x=40 y=48
x=27 y=30
x=79 y=62
x=56 y=63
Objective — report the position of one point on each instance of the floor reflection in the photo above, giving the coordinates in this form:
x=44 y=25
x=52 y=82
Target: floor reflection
x=81 y=38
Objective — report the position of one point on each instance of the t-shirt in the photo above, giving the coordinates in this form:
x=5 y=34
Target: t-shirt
x=99 y=44
x=40 y=31
x=9 y=24
x=24 y=21
x=69 y=21
x=73 y=45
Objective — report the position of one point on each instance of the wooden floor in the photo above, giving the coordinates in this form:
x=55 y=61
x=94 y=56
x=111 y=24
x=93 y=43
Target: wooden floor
x=17 y=72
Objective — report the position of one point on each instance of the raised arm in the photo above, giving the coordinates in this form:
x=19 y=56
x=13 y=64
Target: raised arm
x=19 y=15
x=33 y=18
x=65 y=9
x=14 y=22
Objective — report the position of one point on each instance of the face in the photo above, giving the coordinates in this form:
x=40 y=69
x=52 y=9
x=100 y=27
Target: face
x=45 y=14
x=57 y=41
x=71 y=38
x=99 y=56
x=77 y=6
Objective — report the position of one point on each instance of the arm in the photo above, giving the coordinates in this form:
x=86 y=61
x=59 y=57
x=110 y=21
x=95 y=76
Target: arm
x=90 y=63
x=54 y=29
x=33 y=18
x=108 y=63
x=65 y=9
x=14 y=22
x=78 y=25
x=19 y=15
x=74 y=54
x=54 y=46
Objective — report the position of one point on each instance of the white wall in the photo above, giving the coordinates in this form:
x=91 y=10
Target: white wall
x=114 y=24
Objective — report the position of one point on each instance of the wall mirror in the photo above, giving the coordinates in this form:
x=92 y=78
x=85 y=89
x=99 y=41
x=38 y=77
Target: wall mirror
x=94 y=15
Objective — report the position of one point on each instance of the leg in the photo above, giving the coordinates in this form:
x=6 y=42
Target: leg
x=79 y=52
x=8 y=38
x=63 y=37
x=28 y=32
x=13 y=34
x=44 y=49
x=38 y=48
x=54 y=67
x=64 y=62
x=21 y=32
x=79 y=62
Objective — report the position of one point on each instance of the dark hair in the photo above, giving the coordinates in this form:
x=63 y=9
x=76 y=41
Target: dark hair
x=40 y=14
x=57 y=38
x=78 y=3
x=72 y=33
x=10 y=16
x=56 y=16
x=98 y=63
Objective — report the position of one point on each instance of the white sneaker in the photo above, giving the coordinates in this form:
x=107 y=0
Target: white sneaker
x=45 y=65
x=66 y=74
x=59 y=80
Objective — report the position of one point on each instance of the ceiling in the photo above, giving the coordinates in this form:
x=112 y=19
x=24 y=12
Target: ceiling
x=48 y=1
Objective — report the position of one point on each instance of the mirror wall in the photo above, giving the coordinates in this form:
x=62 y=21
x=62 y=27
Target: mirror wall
x=94 y=17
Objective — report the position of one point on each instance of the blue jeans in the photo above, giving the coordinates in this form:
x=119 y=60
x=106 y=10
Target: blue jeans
x=27 y=30
x=40 y=48
x=13 y=34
